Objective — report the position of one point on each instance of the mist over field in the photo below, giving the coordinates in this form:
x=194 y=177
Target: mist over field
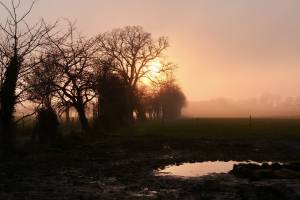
x=266 y=106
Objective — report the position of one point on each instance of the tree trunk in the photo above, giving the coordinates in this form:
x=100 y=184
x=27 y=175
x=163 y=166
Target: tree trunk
x=82 y=117
x=131 y=104
x=67 y=112
x=141 y=114
x=8 y=101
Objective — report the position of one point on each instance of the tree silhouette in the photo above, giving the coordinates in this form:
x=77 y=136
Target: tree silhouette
x=131 y=49
x=3 y=65
x=46 y=129
x=40 y=83
x=75 y=82
x=112 y=96
x=169 y=101
x=41 y=90
x=19 y=42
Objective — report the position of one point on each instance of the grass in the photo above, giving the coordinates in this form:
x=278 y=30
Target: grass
x=216 y=139
x=196 y=129
x=200 y=134
x=225 y=129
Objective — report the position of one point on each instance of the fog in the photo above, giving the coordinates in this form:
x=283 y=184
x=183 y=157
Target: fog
x=266 y=106
x=229 y=53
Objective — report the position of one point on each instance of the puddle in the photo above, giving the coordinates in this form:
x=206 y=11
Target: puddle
x=201 y=168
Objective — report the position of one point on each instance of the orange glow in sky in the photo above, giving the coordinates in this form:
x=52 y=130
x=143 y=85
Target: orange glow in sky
x=235 y=48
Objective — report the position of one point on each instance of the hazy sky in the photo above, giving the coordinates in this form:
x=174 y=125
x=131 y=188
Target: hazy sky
x=225 y=48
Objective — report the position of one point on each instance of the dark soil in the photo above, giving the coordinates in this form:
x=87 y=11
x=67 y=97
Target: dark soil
x=116 y=168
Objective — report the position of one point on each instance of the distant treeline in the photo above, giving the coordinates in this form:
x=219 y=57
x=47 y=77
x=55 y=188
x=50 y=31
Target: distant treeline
x=267 y=105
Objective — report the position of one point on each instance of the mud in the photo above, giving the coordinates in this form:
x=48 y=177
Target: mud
x=112 y=168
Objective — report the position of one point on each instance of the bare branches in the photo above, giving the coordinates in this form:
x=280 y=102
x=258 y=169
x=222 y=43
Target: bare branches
x=26 y=13
x=22 y=40
x=58 y=67
x=19 y=44
x=72 y=58
x=25 y=116
x=132 y=49
x=18 y=36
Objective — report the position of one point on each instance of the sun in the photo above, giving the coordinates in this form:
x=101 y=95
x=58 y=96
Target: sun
x=153 y=71
x=155 y=67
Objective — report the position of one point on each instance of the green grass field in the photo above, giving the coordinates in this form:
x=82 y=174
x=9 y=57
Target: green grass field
x=218 y=129
x=193 y=130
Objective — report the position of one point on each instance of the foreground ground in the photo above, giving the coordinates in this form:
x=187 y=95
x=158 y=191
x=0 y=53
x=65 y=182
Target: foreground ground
x=121 y=165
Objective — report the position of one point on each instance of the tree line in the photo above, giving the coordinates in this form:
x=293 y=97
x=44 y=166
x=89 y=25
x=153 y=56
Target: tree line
x=55 y=68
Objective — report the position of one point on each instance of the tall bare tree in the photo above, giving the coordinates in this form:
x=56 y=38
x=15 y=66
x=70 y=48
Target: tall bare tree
x=18 y=43
x=76 y=81
x=132 y=49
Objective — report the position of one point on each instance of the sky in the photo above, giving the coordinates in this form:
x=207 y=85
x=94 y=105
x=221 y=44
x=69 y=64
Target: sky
x=235 y=49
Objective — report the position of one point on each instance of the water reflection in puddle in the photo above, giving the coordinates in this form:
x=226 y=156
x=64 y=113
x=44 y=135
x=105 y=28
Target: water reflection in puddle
x=200 y=169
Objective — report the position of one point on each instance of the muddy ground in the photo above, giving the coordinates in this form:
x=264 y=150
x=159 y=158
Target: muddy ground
x=112 y=167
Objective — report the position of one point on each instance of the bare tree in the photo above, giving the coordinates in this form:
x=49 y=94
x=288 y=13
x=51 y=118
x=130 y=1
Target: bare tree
x=18 y=43
x=157 y=95
x=76 y=81
x=132 y=49
x=40 y=84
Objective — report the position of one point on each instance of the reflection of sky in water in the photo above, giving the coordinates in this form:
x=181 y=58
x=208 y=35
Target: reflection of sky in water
x=200 y=169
